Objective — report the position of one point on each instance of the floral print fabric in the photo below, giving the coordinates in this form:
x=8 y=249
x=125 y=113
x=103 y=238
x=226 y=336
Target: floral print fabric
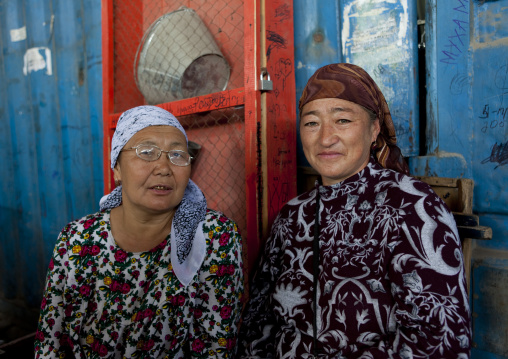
x=101 y=301
x=391 y=277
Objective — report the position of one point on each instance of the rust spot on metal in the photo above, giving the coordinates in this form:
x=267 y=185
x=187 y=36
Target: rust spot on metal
x=318 y=37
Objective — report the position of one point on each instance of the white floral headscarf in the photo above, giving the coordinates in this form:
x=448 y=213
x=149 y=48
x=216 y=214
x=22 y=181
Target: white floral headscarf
x=186 y=233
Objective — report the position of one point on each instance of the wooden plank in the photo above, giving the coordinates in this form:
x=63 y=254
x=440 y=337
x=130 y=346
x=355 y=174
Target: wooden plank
x=462 y=219
x=476 y=232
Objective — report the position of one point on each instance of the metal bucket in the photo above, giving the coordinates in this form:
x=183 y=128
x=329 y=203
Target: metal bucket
x=178 y=58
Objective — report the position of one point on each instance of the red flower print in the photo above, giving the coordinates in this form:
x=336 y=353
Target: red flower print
x=231 y=269
x=88 y=223
x=84 y=251
x=85 y=290
x=51 y=322
x=114 y=336
x=104 y=234
x=198 y=346
x=39 y=336
x=225 y=312
x=68 y=310
x=95 y=250
x=104 y=315
x=221 y=271
x=115 y=286
x=95 y=346
x=198 y=313
x=62 y=252
x=205 y=297
x=158 y=295
x=222 y=219
x=135 y=274
x=181 y=300
x=148 y=345
x=51 y=264
x=224 y=239
x=103 y=351
x=92 y=306
x=120 y=256
x=43 y=303
x=125 y=288
x=148 y=313
x=65 y=341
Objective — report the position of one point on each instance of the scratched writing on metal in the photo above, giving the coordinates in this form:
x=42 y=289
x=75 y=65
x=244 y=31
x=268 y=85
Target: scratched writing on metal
x=279 y=160
x=501 y=80
x=498 y=155
x=457 y=41
x=278 y=194
x=206 y=103
x=493 y=118
x=276 y=42
x=283 y=12
x=401 y=129
x=283 y=70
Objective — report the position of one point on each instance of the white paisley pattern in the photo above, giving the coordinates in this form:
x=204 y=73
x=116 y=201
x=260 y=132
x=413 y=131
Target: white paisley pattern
x=391 y=279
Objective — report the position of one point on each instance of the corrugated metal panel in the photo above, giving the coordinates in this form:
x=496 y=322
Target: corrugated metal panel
x=467 y=136
x=51 y=127
x=316 y=44
x=380 y=36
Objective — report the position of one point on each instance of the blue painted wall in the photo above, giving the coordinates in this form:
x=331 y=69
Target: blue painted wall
x=381 y=36
x=465 y=125
x=51 y=123
x=467 y=136
x=51 y=135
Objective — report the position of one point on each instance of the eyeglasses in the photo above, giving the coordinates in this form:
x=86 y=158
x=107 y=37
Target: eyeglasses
x=152 y=153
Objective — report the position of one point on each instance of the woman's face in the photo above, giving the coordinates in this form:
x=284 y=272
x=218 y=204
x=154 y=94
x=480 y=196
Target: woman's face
x=336 y=138
x=153 y=187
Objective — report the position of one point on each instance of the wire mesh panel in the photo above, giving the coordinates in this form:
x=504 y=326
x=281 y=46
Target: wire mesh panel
x=170 y=50
x=187 y=57
x=219 y=169
x=200 y=60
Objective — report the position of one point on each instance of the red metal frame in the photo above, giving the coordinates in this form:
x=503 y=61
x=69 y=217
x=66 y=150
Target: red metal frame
x=270 y=131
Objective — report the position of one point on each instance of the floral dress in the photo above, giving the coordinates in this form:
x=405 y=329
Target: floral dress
x=391 y=280
x=101 y=301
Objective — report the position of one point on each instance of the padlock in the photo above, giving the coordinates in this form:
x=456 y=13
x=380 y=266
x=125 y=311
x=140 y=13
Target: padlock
x=265 y=84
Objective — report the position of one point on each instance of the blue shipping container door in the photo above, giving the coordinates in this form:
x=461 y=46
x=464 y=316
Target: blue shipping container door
x=467 y=136
x=382 y=37
x=51 y=127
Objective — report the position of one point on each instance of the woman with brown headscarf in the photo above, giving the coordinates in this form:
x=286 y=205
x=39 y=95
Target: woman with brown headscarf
x=368 y=264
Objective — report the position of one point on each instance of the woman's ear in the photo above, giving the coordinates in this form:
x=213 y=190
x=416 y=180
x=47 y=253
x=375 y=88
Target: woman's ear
x=117 y=174
x=376 y=128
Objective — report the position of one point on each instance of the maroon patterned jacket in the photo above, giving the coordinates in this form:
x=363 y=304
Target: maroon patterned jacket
x=391 y=276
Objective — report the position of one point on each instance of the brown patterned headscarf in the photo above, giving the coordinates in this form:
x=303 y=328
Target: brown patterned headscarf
x=352 y=83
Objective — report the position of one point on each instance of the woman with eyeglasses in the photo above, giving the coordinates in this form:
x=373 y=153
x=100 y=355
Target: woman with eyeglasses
x=154 y=273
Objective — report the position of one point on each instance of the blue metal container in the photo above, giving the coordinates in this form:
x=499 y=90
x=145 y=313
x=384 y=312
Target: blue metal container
x=51 y=128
